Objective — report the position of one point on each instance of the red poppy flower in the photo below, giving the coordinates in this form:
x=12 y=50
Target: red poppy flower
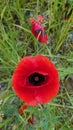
x=38 y=30
x=35 y=80
x=20 y=111
x=22 y=108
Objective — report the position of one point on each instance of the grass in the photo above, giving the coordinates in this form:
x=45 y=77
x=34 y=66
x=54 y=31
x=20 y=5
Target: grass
x=16 y=41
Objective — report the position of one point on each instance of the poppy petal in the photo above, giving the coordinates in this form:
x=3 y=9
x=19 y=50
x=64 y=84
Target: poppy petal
x=38 y=29
x=35 y=80
x=32 y=20
x=40 y=18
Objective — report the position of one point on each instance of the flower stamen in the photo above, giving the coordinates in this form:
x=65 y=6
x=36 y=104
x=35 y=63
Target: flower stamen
x=36 y=79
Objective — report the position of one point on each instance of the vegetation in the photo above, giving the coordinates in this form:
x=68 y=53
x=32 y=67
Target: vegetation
x=17 y=41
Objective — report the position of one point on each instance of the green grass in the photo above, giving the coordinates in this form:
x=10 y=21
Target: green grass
x=16 y=41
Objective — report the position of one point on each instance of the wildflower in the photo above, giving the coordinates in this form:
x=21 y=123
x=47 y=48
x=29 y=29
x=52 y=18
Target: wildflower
x=20 y=111
x=35 y=80
x=38 y=30
x=22 y=108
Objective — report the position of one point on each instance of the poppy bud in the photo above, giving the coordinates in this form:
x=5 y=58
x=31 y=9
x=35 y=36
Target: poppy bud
x=38 y=30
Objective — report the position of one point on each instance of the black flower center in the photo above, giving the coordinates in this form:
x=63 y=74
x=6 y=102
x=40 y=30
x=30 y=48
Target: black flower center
x=36 y=79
